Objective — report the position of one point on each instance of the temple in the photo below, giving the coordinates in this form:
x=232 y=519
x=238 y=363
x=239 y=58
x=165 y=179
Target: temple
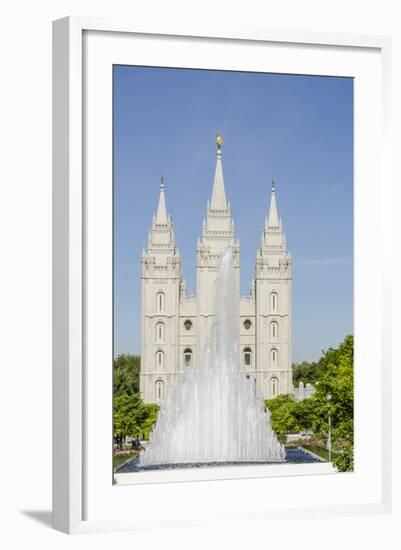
x=175 y=326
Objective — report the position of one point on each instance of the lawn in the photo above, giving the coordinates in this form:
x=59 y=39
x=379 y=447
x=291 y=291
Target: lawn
x=121 y=458
x=318 y=450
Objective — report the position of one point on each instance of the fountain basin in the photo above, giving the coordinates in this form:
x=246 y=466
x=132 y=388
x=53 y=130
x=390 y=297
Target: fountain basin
x=294 y=455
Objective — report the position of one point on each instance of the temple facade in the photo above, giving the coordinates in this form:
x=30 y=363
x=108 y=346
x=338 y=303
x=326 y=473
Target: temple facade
x=175 y=326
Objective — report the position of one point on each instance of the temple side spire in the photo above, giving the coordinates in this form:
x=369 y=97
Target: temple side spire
x=273 y=244
x=161 y=216
x=218 y=201
x=161 y=240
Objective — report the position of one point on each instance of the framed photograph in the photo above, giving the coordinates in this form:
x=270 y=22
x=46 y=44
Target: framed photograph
x=219 y=259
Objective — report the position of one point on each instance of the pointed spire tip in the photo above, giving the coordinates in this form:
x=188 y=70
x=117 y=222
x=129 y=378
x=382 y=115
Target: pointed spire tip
x=218 y=200
x=161 y=214
x=273 y=218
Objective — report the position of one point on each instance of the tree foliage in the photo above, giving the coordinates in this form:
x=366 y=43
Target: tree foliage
x=131 y=416
x=150 y=419
x=283 y=413
x=306 y=372
x=289 y=415
x=126 y=369
x=335 y=379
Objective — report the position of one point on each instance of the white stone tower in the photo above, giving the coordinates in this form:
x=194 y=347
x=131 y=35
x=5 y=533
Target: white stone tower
x=217 y=234
x=273 y=308
x=161 y=278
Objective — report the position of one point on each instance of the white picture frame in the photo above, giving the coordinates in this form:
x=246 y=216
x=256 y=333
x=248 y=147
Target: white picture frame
x=71 y=256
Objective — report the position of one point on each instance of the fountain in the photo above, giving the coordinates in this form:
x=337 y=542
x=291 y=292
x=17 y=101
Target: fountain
x=212 y=415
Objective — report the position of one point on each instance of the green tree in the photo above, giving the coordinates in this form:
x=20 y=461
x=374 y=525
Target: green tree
x=126 y=369
x=289 y=415
x=305 y=414
x=306 y=372
x=150 y=419
x=335 y=378
x=283 y=413
x=129 y=415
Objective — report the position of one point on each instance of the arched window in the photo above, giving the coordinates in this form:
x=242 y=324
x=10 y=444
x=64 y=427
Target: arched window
x=188 y=324
x=247 y=324
x=159 y=359
x=273 y=387
x=247 y=357
x=273 y=302
x=273 y=331
x=274 y=357
x=187 y=357
x=160 y=333
x=159 y=390
x=160 y=302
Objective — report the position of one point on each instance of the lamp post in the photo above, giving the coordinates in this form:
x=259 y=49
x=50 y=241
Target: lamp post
x=329 y=396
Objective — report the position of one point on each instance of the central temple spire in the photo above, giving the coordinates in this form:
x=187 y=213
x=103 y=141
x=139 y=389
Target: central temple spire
x=218 y=229
x=273 y=220
x=161 y=216
x=218 y=201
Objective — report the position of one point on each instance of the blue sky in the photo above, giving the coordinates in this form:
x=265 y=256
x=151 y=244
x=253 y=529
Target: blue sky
x=295 y=129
